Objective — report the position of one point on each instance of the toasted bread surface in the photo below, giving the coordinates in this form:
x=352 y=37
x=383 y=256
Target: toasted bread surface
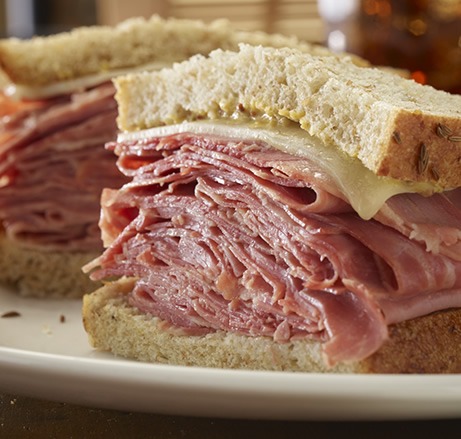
x=135 y=42
x=38 y=273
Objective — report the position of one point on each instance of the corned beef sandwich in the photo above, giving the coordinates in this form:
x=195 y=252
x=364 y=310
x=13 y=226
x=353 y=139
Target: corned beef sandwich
x=58 y=111
x=284 y=212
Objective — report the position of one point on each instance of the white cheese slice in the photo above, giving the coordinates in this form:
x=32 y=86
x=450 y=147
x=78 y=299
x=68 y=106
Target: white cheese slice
x=16 y=91
x=365 y=191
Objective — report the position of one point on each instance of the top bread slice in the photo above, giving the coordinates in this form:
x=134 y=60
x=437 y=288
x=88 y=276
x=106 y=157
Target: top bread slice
x=85 y=51
x=395 y=126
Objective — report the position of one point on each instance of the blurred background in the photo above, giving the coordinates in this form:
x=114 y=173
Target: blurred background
x=24 y=18
x=422 y=36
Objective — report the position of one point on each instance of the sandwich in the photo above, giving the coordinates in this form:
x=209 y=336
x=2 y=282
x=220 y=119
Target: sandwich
x=58 y=112
x=284 y=211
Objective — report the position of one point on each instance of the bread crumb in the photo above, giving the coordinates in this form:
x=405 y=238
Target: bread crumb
x=9 y=314
x=47 y=330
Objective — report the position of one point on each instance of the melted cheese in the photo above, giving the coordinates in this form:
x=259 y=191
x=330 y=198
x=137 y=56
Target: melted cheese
x=365 y=191
x=16 y=91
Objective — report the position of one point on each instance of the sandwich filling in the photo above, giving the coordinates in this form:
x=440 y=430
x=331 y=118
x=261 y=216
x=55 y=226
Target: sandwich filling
x=226 y=231
x=53 y=167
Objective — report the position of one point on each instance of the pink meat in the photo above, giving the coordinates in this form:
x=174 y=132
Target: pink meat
x=53 y=167
x=237 y=236
x=413 y=215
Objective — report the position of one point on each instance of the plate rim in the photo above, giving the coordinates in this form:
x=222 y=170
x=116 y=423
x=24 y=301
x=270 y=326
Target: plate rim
x=435 y=396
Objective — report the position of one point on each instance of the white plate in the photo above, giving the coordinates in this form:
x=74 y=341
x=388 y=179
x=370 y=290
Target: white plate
x=41 y=356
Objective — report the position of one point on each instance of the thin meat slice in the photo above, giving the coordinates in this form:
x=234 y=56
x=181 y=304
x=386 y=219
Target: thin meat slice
x=434 y=221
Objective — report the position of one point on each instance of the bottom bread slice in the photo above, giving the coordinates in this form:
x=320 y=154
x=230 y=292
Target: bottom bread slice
x=36 y=273
x=430 y=344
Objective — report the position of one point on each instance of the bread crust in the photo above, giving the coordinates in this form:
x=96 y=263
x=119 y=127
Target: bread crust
x=429 y=344
x=396 y=127
x=46 y=274
x=90 y=50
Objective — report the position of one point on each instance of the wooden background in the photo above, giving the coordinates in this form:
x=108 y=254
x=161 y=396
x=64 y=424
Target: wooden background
x=293 y=17
x=290 y=17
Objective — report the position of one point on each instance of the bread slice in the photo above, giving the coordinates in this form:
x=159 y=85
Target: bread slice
x=430 y=344
x=135 y=42
x=37 y=273
x=396 y=127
